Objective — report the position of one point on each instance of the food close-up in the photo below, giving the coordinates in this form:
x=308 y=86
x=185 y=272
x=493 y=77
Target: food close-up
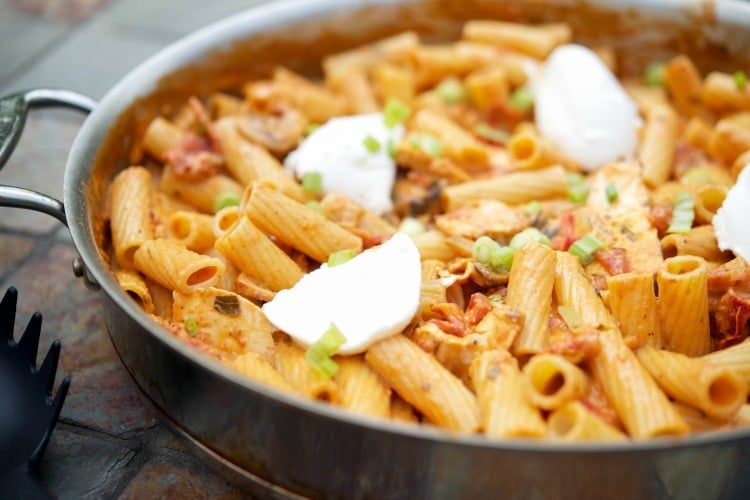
x=430 y=249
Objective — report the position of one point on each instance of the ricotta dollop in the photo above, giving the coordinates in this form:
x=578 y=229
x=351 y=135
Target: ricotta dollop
x=337 y=151
x=731 y=220
x=583 y=110
x=370 y=297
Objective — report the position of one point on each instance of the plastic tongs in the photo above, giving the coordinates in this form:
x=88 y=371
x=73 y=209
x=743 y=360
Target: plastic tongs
x=28 y=411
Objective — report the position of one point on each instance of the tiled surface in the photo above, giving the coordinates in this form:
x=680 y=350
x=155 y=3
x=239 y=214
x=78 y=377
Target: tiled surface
x=109 y=442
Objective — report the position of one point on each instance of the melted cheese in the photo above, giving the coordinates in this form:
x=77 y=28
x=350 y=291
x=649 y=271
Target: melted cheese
x=583 y=110
x=731 y=220
x=337 y=151
x=370 y=297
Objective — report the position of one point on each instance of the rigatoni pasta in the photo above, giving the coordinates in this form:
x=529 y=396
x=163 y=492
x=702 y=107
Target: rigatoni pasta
x=558 y=299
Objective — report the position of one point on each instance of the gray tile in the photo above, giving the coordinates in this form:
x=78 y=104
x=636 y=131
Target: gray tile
x=38 y=163
x=22 y=40
x=90 y=61
x=172 y=18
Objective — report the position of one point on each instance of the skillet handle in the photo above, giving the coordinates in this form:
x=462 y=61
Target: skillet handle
x=15 y=107
x=13 y=111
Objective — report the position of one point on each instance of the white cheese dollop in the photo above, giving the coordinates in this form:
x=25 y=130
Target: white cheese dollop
x=337 y=151
x=583 y=110
x=731 y=220
x=370 y=297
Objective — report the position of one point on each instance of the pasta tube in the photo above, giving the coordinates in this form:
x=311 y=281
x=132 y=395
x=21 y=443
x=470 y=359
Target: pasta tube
x=295 y=224
x=553 y=381
x=641 y=405
x=130 y=217
x=716 y=390
x=177 y=268
x=503 y=398
x=530 y=291
x=573 y=422
x=424 y=383
x=683 y=305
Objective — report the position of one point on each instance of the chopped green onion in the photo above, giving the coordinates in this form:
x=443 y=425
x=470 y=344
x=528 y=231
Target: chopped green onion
x=697 y=175
x=578 y=191
x=395 y=112
x=482 y=249
x=312 y=182
x=310 y=128
x=341 y=256
x=528 y=235
x=226 y=200
x=522 y=99
x=488 y=251
x=497 y=298
x=429 y=144
x=584 y=248
x=682 y=213
x=411 y=226
x=191 y=326
x=390 y=147
x=319 y=353
x=490 y=133
x=654 y=75
x=611 y=192
x=532 y=208
x=570 y=316
x=315 y=206
x=451 y=91
x=501 y=258
x=371 y=144
x=740 y=79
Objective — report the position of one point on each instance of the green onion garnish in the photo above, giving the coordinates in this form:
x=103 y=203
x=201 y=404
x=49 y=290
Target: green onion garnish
x=528 y=235
x=411 y=226
x=226 y=200
x=584 y=248
x=522 y=99
x=532 y=208
x=697 y=175
x=341 y=256
x=490 y=133
x=488 y=251
x=682 y=213
x=319 y=354
x=310 y=128
x=315 y=206
x=395 y=112
x=578 y=191
x=482 y=249
x=371 y=144
x=740 y=79
x=570 y=316
x=611 y=192
x=654 y=75
x=451 y=91
x=390 y=147
x=501 y=258
x=191 y=326
x=429 y=144
x=312 y=182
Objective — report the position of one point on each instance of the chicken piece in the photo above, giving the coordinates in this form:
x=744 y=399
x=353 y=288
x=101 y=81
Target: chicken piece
x=485 y=218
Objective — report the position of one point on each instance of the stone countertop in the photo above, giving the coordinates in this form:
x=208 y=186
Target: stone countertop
x=109 y=442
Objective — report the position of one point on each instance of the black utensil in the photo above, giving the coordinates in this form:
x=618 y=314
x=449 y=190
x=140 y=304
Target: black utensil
x=28 y=411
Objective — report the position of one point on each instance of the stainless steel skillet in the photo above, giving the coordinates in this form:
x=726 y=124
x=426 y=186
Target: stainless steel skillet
x=279 y=444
